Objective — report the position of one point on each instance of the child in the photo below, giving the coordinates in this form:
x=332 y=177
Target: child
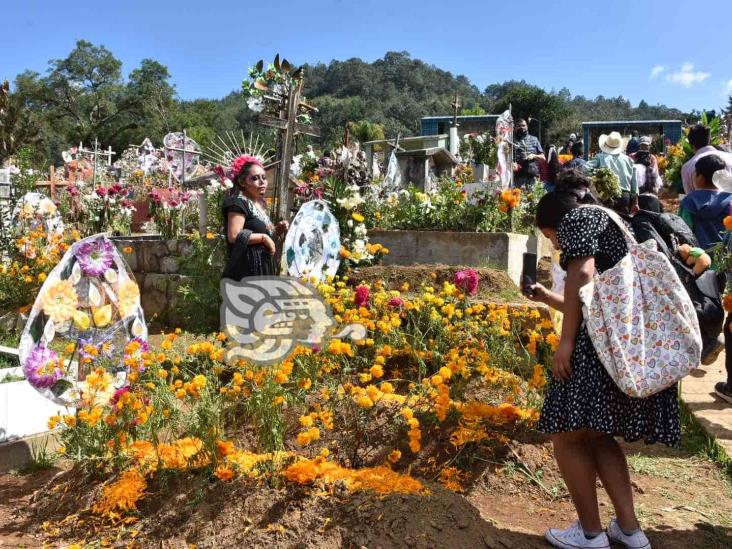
x=705 y=208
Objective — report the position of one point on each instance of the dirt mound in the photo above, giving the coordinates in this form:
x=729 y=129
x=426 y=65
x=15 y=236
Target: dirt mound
x=494 y=284
x=247 y=514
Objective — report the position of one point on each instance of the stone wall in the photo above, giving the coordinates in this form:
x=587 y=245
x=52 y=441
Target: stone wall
x=156 y=264
x=498 y=250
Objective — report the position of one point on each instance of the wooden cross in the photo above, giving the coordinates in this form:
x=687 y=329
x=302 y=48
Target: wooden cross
x=288 y=127
x=455 y=109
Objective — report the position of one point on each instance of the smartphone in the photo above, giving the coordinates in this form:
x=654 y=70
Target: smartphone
x=528 y=274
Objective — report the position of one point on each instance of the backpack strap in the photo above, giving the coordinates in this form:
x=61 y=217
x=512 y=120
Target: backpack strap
x=629 y=238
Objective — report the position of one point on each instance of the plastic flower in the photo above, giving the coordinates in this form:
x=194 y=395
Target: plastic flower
x=129 y=298
x=60 y=301
x=41 y=368
x=102 y=315
x=81 y=320
x=467 y=280
x=95 y=257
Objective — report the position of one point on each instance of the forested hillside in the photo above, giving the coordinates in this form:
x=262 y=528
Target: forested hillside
x=85 y=96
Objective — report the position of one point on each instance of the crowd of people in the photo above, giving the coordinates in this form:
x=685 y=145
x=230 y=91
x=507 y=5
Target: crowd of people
x=584 y=409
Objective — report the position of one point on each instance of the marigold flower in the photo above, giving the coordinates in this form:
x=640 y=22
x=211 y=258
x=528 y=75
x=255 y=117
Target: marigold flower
x=224 y=473
x=728 y=222
x=376 y=371
x=394 y=456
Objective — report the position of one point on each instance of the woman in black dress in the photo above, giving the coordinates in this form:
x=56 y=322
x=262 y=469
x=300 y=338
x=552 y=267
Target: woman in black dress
x=249 y=231
x=584 y=409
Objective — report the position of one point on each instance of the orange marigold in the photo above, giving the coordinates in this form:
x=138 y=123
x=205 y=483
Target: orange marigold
x=121 y=495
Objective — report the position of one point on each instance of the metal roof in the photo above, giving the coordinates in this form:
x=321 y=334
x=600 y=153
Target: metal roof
x=629 y=122
x=461 y=116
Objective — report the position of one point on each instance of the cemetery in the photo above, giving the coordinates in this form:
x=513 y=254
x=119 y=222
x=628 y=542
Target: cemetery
x=404 y=410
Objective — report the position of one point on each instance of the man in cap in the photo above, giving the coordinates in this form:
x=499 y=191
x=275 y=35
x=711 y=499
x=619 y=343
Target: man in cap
x=633 y=144
x=612 y=157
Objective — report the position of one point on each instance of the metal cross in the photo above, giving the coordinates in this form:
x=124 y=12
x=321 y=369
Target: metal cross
x=455 y=109
x=184 y=150
x=95 y=154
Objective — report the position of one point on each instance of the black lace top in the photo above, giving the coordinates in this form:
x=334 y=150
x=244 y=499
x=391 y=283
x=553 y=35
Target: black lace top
x=244 y=259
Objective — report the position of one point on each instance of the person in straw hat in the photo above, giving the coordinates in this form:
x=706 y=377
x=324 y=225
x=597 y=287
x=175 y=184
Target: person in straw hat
x=612 y=157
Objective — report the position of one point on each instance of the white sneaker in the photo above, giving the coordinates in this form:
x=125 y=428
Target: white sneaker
x=634 y=541
x=574 y=538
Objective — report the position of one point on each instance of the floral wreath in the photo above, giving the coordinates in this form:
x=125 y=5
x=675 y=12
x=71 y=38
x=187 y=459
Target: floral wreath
x=237 y=165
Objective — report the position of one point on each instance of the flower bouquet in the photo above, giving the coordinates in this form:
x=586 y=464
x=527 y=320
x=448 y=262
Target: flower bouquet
x=73 y=347
x=169 y=208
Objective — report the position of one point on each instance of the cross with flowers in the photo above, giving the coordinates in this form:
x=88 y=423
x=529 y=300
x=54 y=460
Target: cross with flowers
x=284 y=99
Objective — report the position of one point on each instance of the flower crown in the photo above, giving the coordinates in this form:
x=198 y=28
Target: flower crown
x=240 y=161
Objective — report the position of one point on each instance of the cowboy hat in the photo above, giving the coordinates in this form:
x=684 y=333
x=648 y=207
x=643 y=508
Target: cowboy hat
x=611 y=144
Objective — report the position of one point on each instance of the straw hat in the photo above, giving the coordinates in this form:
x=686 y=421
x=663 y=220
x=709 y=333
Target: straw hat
x=611 y=144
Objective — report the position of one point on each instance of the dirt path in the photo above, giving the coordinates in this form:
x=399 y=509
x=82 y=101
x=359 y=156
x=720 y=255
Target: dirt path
x=714 y=414
x=683 y=502
x=16 y=491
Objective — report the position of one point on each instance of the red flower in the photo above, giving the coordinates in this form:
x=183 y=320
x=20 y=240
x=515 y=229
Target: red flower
x=467 y=281
x=362 y=296
x=396 y=302
x=101 y=191
x=318 y=193
x=118 y=393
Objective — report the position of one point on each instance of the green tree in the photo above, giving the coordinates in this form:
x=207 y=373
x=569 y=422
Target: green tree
x=18 y=126
x=527 y=100
x=365 y=131
x=85 y=90
x=151 y=100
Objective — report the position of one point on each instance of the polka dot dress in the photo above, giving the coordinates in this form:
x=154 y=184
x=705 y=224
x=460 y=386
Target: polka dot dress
x=590 y=399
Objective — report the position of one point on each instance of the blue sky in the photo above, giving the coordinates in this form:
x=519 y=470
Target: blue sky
x=639 y=49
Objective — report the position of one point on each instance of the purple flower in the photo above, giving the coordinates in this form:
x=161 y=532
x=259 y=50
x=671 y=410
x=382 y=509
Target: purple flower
x=467 y=281
x=41 y=368
x=95 y=257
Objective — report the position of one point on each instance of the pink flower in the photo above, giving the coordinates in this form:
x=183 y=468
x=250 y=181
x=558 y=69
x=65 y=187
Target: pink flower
x=118 y=393
x=241 y=161
x=101 y=191
x=467 y=281
x=73 y=190
x=362 y=296
x=318 y=193
x=220 y=172
x=395 y=303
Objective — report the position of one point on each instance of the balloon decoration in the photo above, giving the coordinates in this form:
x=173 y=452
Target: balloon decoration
x=312 y=245
x=86 y=327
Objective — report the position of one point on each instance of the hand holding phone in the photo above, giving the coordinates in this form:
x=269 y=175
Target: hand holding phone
x=528 y=274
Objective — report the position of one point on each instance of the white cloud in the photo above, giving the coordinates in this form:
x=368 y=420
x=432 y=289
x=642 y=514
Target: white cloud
x=727 y=88
x=687 y=76
x=656 y=71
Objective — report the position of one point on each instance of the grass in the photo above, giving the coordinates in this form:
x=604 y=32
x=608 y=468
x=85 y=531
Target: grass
x=650 y=466
x=696 y=441
x=40 y=458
